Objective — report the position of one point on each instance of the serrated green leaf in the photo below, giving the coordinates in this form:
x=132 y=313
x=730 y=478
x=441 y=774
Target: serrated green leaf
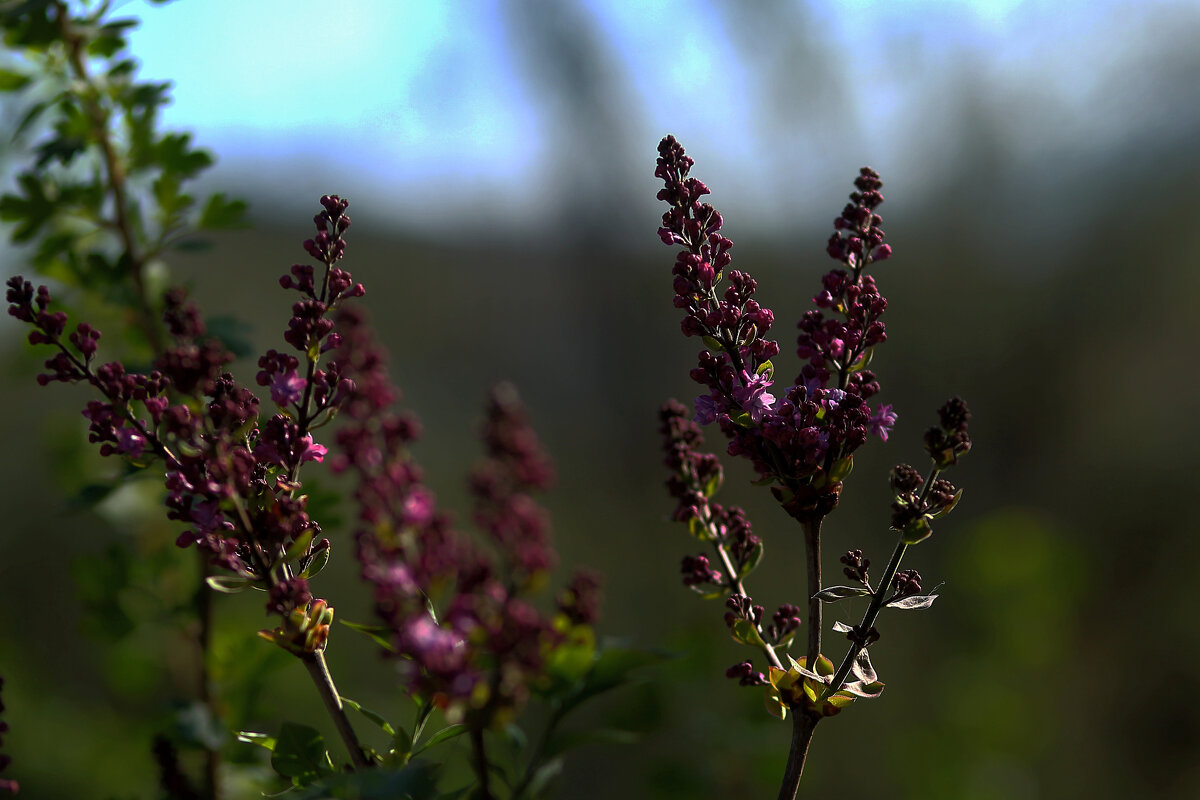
x=300 y=754
x=371 y=715
x=106 y=45
x=220 y=212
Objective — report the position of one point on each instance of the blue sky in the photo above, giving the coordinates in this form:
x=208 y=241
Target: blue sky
x=428 y=106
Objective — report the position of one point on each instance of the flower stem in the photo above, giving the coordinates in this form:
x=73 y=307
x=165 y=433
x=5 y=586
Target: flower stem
x=480 y=762
x=204 y=614
x=319 y=671
x=803 y=725
x=882 y=589
x=812 y=555
x=100 y=119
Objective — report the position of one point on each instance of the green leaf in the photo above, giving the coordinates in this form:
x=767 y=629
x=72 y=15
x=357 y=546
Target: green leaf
x=30 y=117
x=610 y=670
x=373 y=632
x=31 y=210
x=371 y=715
x=714 y=483
x=835 y=593
x=318 y=562
x=228 y=584
x=300 y=754
x=752 y=562
x=572 y=658
x=745 y=632
x=12 y=81
x=949 y=507
x=221 y=212
x=841 y=469
x=264 y=740
x=742 y=419
x=916 y=531
x=445 y=734
x=299 y=547
x=177 y=157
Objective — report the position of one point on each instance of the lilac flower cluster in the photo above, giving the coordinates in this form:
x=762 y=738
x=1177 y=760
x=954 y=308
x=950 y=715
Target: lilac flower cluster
x=231 y=479
x=6 y=784
x=478 y=654
x=802 y=438
x=694 y=479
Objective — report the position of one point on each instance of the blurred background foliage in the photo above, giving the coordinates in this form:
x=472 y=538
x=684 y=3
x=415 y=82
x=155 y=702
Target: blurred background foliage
x=1039 y=162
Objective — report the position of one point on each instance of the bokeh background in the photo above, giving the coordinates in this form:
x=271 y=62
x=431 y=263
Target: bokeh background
x=1039 y=161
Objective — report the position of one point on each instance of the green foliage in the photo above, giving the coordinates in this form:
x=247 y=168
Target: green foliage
x=300 y=754
x=106 y=194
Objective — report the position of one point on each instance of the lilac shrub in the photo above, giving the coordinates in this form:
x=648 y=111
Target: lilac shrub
x=460 y=619
x=463 y=617
x=800 y=438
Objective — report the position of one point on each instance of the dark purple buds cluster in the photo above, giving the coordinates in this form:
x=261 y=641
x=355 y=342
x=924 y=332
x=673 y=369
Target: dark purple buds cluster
x=742 y=607
x=579 y=600
x=6 y=784
x=745 y=674
x=698 y=573
x=856 y=565
x=515 y=466
x=476 y=656
x=784 y=622
x=949 y=440
x=857 y=239
x=801 y=437
x=233 y=481
x=906 y=584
